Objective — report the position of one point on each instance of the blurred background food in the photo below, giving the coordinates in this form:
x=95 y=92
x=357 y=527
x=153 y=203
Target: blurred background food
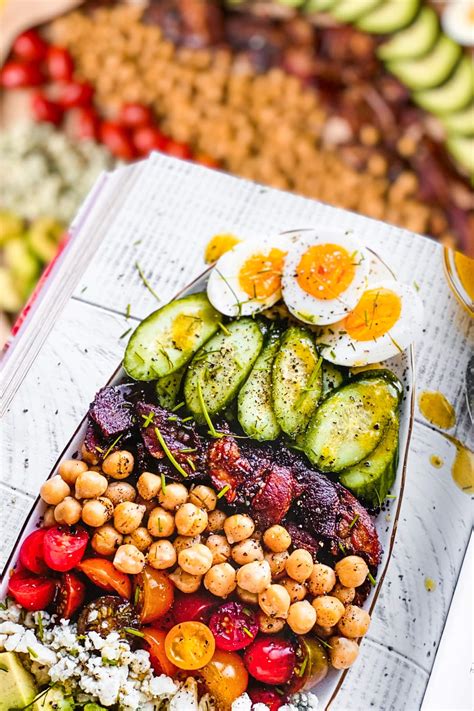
x=363 y=104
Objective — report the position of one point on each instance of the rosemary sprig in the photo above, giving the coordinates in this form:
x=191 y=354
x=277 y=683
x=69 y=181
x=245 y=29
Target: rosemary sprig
x=164 y=446
x=146 y=282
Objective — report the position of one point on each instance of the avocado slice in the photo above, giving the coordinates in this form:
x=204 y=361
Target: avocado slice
x=17 y=684
x=430 y=70
x=461 y=122
x=417 y=39
x=55 y=699
x=462 y=150
x=392 y=16
x=453 y=95
x=350 y=11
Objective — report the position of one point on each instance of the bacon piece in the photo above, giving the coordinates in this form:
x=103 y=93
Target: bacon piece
x=355 y=528
x=275 y=496
x=226 y=466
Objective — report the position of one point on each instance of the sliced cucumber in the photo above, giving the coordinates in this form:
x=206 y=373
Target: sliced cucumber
x=414 y=41
x=454 y=94
x=350 y=423
x=350 y=11
x=370 y=480
x=392 y=16
x=169 y=337
x=255 y=406
x=319 y=5
x=462 y=150
x=430 y=70
x=219 y=368
x=167 y=388
x=296 y=380
x=333 y=377
x=461 y=122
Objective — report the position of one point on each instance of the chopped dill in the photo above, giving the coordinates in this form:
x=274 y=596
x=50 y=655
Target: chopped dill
x=146 y=282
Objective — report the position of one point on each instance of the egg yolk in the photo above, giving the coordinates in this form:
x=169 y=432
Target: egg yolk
x=375 y=314
x=325 y=271
x=260 y=274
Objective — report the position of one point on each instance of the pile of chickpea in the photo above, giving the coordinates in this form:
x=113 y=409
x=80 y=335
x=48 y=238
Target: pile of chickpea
x=181 y=530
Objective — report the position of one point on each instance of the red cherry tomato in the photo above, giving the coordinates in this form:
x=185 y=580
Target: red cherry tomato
x=195 y=607
x=147 y=139
x=71 y=594
x=64 y=547
x=117 y=140
x=44 y=109
x=178 y=150
x=32 y=592
x=15 y=75
x=233 y=627
x=30 y=46
x=87 y=123
x=75 y=93
x=59 y=64
x=134 y=115
x=105 y=575
x=155 y=645
x=31 y=552
x=261 y=695
x=270 y=659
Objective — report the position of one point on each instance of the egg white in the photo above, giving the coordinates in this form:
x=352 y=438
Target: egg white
x=457 y=22
x=338 y=347
x=306 y=307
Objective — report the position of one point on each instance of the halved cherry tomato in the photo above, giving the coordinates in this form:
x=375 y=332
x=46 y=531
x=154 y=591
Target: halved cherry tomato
x=225 y=677
x=59 y=64
x=75 y=93
x=262 y=695
x=71 y=594
x=133 y=115
x=32 y=554
x=196 y=606
x=15 y=75
x=233 y=626
x=32 y=592
x=46 y=110
x=30 y=46
x=86 y=123
x=153 y=592
x=64 y=547
x=178 y=150
x=190 y=645
x=155 y=645
x=147 y=139
x=105 y=575
x=117 y=140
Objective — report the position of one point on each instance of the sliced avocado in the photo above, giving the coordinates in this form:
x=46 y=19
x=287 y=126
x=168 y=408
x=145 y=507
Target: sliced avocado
x=350 y=11
x=55 y=699
x=461 y=122
x=392 y=16
x=462 y=150
x=10 y=226
x=319 y=5
x=414 y=41
x=17 y=685
x=430 y=70
x=453 y=95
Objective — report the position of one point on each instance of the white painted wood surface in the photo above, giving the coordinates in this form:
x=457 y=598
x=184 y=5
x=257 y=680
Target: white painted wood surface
x=83 y=348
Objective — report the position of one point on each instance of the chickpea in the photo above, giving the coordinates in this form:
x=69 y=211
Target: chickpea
x=275 y=601
x=106 y=540
x=148 y=485
x=216 y=520
x=48 y=517
x=254 y=577
x=118 y=465
x=329 y=610
x=185 y=582
x=269 y=625
x=323 y=632
x=204 y=497
x=54 y=490
x=196 y=559
x=182 y=542
x=89 y=456
x=322 y=579
x=190 y=520
x=172 y=496
x=345 y=595
x=96 y=512
x=247 y=551
x=68 y=511
x=299 y=565
x=219 y=547
x=128 y=516
x=277 y=563
x=129 y=559
x=160 y=523
x=342 y=652
x=297 y=591
x=120 y=491
x=220 y=580
x=354 y=622
x=89 y=485
x=277 y=539
x=162 y=555
x=301 y=617
x=246 y=596
x=352 y=571
x=238 y=527
x=139 y=538
x=70 y=469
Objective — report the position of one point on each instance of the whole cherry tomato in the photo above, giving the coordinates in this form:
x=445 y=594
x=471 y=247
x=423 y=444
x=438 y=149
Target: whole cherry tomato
x=196 y=606
x=147 y=139
x=59 y=64
x=105 y=575
x=87 y=122
x=225 y=677
x=190 y=645
x=64 y=547
x=153 y=593
x=71 y=594
x=133 y=115
x=178 y=150
x=30 y=46
x=33 y=592
x=233 y=626
x=165 y=622
x=32 y=554
x=312 y=664
x=44 y=109
x=270 y=659
x=117 y=140
x=155 y=645
x=15 y=75
x=75 y=93
x=262 y=695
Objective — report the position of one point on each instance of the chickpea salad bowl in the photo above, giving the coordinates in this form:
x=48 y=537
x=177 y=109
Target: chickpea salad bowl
x=216 y=532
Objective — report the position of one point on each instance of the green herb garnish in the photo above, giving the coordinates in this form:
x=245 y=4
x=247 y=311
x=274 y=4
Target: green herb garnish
x=164 y=446
x=148 y=419
x=125 y=333
x=107 y=451
x=223 y=328
x=132 y=631
x=372 y=579
x=223 y=491
x=177 y=407
x=40 y=626
x=212 y=429
x=341 y=548
x=354 y=521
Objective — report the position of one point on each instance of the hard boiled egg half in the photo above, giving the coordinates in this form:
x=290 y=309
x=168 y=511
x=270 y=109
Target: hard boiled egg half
x=247 y=279
x=386 y=319
x=324 y=276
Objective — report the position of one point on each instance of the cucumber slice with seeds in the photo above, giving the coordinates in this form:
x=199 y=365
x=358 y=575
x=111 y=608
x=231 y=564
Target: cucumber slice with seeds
x=461 y=122
x=168 y=338
x=333 y=378
x=432 y=69
x=392 y=16
x=167 y=388
x=417 y=39
x=350 y=11
x=319 y=5
x=451 y=96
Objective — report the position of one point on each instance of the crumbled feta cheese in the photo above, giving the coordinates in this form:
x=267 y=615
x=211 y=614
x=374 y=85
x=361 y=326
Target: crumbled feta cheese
x=243 y=703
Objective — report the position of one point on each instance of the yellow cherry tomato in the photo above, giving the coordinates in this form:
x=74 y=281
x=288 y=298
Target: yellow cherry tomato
x=190 y=645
